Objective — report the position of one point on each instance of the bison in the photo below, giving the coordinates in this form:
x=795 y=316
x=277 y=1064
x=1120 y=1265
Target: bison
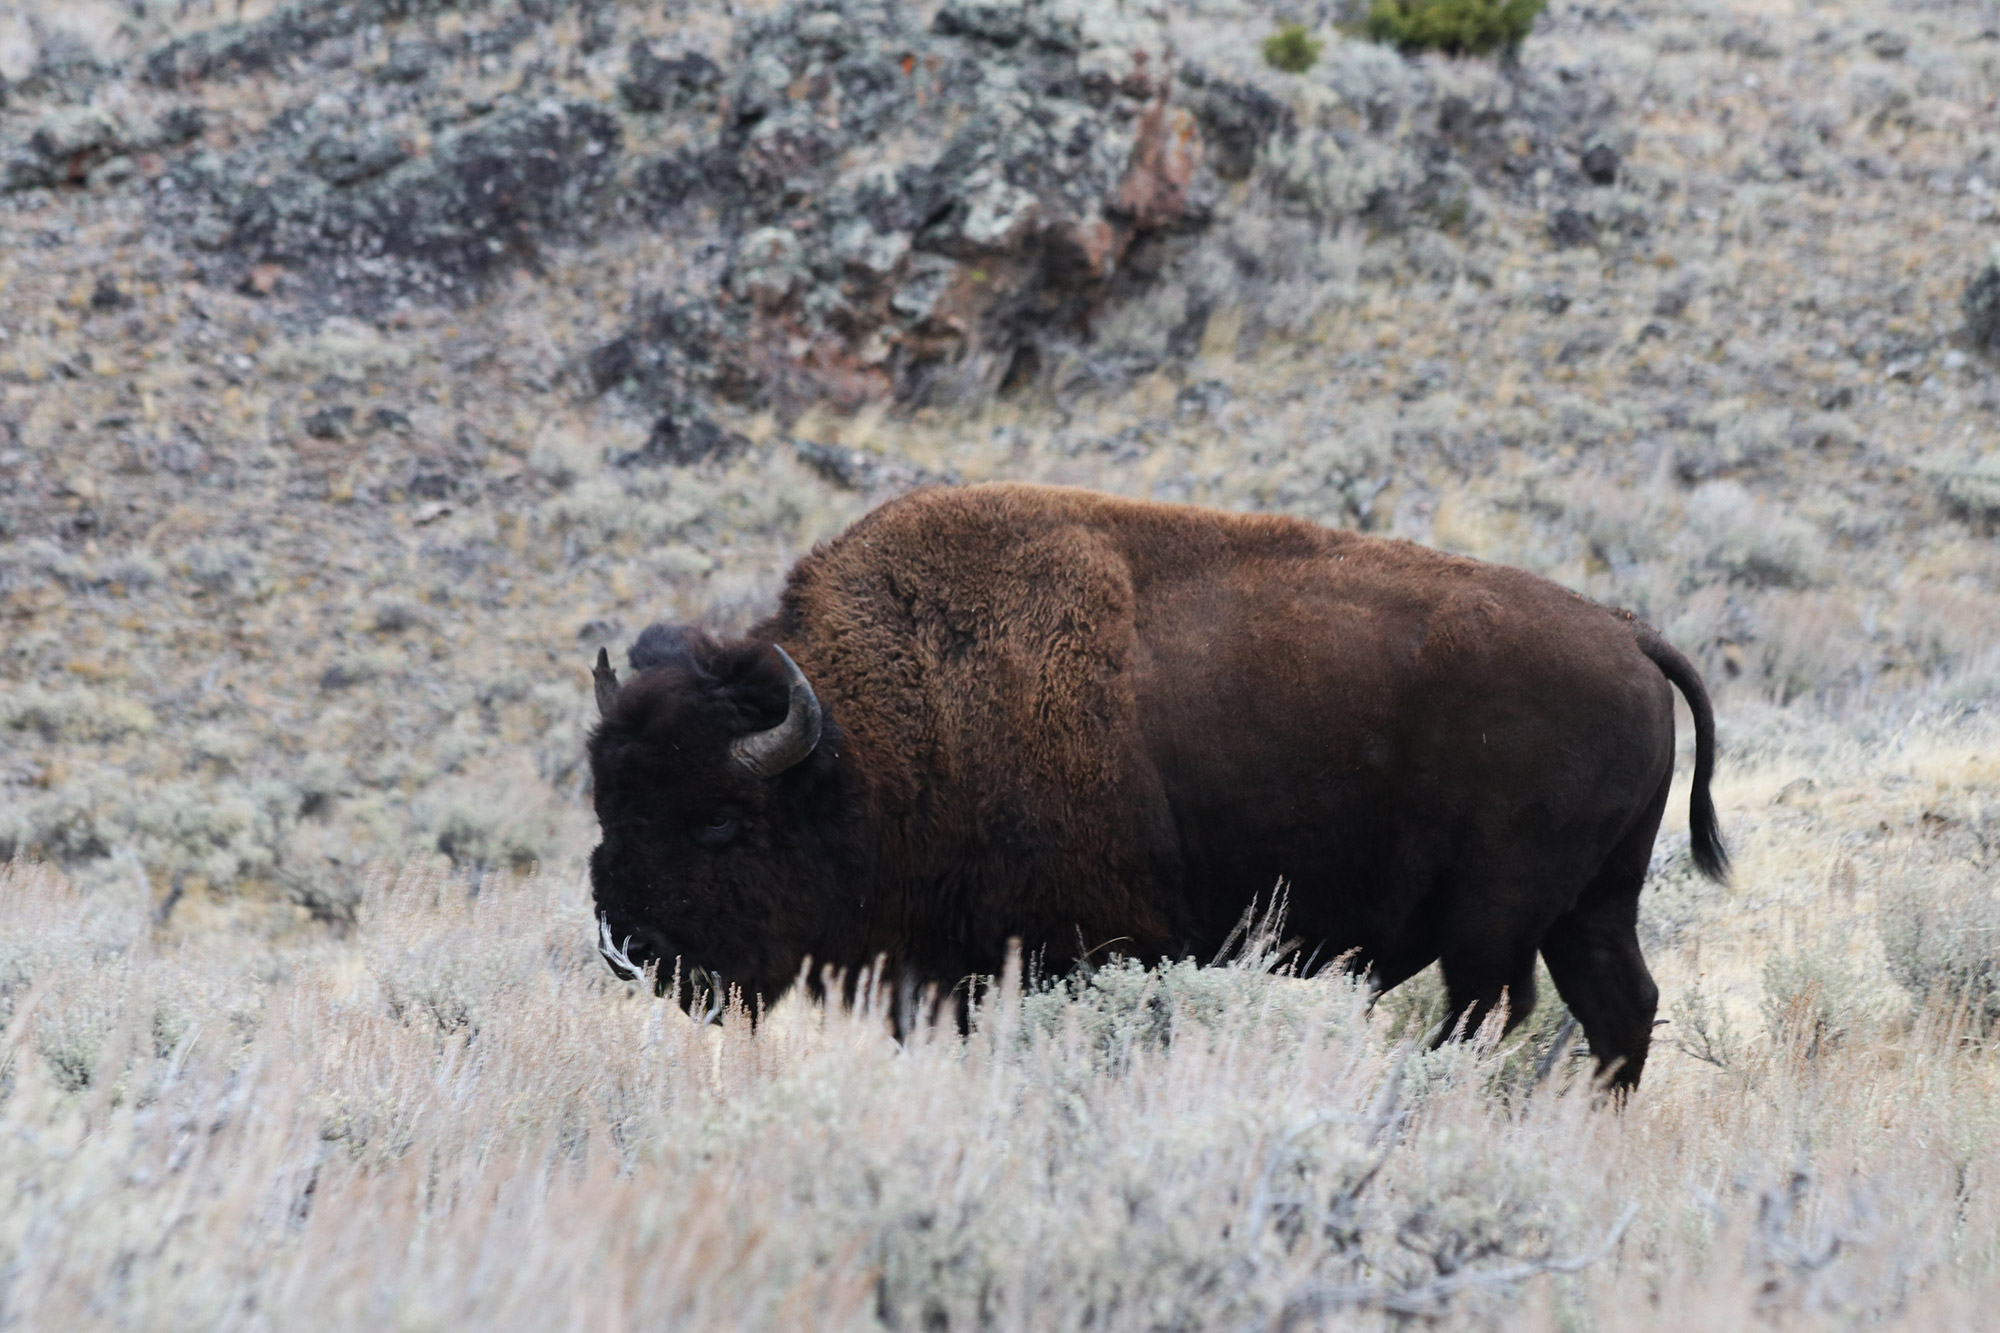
x=1011 y=712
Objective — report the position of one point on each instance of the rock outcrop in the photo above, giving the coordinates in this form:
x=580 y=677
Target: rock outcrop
x=888 y=206
x=360 y=216
x=839 y=201
x=912 y=210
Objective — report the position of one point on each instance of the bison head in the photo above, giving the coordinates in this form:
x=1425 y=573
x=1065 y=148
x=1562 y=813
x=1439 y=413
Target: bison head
x=718 y=800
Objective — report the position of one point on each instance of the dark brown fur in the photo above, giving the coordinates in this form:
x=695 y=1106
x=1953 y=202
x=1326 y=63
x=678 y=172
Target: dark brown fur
x=1096 y=723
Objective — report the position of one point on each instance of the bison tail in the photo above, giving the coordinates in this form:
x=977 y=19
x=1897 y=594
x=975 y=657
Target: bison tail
x=1710 y=856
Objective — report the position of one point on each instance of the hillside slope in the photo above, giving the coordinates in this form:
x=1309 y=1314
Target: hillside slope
x=366 y=367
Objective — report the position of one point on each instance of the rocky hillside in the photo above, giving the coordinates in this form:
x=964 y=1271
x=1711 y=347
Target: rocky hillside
x=364 y=366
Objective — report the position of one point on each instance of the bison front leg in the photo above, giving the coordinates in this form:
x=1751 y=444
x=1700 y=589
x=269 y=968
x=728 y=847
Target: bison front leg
x=1594 y=959
x=1479 y=979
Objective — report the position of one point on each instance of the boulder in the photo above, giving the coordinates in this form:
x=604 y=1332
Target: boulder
x=1981 y=307
x=88 y=145
x=870 y=254
x=358 y=218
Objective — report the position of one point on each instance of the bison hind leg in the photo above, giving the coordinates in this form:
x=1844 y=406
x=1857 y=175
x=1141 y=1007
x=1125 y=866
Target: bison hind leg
x=1594 y=958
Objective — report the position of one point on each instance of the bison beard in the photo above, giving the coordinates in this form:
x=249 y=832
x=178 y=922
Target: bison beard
x=1024 y=712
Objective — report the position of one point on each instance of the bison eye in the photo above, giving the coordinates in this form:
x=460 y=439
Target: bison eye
x=718 y=830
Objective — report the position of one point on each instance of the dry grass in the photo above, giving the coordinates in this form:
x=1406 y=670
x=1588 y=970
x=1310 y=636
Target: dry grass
x=456 y=1117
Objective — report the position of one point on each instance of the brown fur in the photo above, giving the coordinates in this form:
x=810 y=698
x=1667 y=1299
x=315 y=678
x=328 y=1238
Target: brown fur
x=1097 y=724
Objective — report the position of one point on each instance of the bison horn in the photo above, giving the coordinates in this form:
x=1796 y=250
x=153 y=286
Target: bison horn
x=704 y=979
x=765 y=754
x=606 y=682
x=614 y=952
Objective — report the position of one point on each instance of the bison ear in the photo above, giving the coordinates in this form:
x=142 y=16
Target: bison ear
x=605 y=681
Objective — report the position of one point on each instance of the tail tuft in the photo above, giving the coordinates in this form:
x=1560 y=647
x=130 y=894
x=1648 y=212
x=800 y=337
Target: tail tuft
x=1711 y=857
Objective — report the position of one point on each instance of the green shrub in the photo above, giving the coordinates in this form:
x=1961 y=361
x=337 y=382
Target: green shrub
x=1455 y=27
x=1292 y=49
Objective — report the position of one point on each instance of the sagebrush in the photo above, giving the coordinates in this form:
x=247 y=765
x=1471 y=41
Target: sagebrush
x=218 y=1131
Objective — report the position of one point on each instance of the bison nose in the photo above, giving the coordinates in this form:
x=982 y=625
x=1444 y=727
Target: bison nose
x=703 y=991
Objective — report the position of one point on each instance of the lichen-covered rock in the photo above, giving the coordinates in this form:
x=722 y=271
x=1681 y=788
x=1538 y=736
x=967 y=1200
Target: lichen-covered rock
x=72 y=145
x=342 y=161
x=852 y=199
x=653 y=83
x=940 y=211
x=232 y=49
x=1981 y=307
x=359 y=217
x=1236 y=120
x=683 y=438
x=914 y=208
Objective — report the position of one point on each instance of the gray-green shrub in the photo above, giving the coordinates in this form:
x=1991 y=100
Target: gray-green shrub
x=1940 y=929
